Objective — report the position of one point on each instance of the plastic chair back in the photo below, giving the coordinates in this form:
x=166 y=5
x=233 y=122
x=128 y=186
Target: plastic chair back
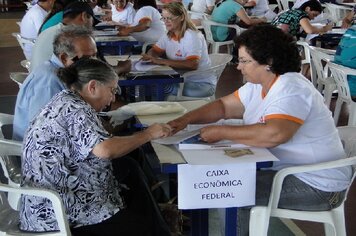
x=325 y=84
x=215 y=45
x=218 y=64
x=340 y=73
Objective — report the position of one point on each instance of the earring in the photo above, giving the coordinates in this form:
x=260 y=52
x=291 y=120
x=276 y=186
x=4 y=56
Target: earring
x=268 y=68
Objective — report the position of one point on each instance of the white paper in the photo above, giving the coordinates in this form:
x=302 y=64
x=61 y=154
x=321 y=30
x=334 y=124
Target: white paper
x=177 y=138
x=105 y=33
x=213 y=154
x=144 y=66
x=216 y=186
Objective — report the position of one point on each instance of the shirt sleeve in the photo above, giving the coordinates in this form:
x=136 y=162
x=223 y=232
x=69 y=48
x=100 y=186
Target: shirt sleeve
x=195 y=46
x=161 y=45
x=86 y=131
x=142 y=15
x=293 y=106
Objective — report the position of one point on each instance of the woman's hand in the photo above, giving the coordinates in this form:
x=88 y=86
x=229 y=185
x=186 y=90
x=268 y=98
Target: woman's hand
x=210 y=134
x=154 y=60
x=123 y=31
x=178 y=124
x=327 y=28
x=158 y=131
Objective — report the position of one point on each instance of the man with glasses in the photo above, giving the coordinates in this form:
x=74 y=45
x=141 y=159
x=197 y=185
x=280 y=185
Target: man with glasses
x=72 y=43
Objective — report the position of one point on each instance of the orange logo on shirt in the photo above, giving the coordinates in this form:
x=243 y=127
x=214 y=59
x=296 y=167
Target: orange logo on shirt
x=262 y=120
x=178 y=53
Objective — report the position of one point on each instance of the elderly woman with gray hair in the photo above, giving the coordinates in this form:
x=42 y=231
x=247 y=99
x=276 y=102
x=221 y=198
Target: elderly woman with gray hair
x=67 y=150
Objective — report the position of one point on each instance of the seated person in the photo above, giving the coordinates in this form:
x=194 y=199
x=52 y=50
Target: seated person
x=122 y=12
x=55 y=16
x=42 y=83
x=345 y=55
x=349 y=19
x=259 y=7
x=201 y=6
x=147 y=26
x=183 y=47
x=297 y=20
x=281 y=111
x=67 y=150
x=76 y=13
x=32 y=21
x=229 y=12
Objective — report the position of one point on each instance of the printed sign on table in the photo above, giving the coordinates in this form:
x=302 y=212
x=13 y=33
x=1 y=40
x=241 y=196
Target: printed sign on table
x=216 y=186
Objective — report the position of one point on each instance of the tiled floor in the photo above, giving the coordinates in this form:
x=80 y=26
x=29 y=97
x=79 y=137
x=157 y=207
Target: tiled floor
x=10 y=58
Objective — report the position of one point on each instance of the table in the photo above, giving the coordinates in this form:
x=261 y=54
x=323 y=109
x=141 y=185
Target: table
x=145 y=85
x=115 y=45
x=168 y=158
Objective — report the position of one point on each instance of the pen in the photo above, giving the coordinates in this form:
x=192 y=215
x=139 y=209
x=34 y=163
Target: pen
x=220 y=146
x=128 y=57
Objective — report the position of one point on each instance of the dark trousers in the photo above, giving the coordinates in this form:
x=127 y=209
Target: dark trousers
x=141 y=216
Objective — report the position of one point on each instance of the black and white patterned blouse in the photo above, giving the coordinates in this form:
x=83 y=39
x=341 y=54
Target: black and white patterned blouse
x=57 y=155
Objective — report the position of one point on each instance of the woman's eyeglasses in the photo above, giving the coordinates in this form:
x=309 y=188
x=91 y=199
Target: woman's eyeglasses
x=169 y=18
x=241 y=61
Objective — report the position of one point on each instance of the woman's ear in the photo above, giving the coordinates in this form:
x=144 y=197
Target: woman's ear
x=92 y=87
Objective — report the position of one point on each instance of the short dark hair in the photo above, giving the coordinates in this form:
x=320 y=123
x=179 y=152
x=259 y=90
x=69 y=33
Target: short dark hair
x=314 y=5
x=269 y=45
x=137 y=4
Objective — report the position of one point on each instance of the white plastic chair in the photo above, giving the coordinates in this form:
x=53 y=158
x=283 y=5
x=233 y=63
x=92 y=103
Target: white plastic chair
x=218 y=63
x=336 y=12
x=215 y=45
x=340 y=74
x=26 y=64
x=18 y=77
x=325 y=83
x=23 y=41
x=334 y=219
x=10 y=164
x=198 y=16
x=348 y=138
x=9 y=217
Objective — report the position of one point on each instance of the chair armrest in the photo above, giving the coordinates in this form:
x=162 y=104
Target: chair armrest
x=6 y=119
x=281 y=174
x=54 y=197
x=236 y=27
x=10 y=147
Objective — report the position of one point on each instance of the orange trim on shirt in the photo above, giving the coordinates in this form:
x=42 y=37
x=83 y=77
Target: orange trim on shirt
x=144 y=20
x=263 y=94
x=193 y=57
x=157 y=49
x=285 y=117
x=236 y=94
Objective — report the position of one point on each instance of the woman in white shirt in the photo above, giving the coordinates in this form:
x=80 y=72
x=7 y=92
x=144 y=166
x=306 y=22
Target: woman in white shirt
x=184 y=48
x=147 y=25
x=122 y=12
x=201 y=6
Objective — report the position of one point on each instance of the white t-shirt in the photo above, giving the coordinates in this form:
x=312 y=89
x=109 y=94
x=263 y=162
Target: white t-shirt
x=294 y=98
x=126 y=16
x=261 y=8
x=201 y=6
x=43 y=49
x=30 y=25
x=157 y=28
x=191 y=46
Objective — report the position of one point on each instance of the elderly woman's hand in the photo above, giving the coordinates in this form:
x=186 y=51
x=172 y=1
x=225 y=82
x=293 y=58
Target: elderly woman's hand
x=155 y=60
x=124 y=31
x=158 y=131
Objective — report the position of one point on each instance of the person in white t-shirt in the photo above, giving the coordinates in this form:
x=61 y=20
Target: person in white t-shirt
x=122 y=12
x=201 y=6
x=32 y=21
x=281 y=111
x=184 y=48
x=147 y=25
x=259 y=7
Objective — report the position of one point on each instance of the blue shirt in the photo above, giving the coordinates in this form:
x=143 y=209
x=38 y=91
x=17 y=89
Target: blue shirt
x=225 y=13
x=54 y=20
x=346 y=55
x=39 y=87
